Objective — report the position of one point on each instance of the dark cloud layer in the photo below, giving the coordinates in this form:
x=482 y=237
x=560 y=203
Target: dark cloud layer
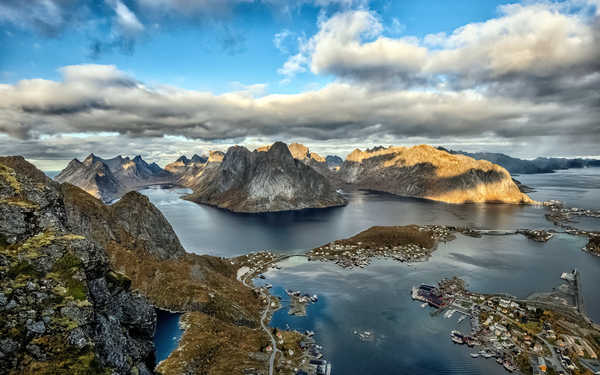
x=528 y=78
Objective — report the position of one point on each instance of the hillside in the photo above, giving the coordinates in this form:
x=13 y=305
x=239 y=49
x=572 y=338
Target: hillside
x=109 y=179
x=426 y=172
x=80 y=280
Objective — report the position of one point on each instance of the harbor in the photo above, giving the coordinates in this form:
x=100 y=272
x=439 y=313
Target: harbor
x=547 y=330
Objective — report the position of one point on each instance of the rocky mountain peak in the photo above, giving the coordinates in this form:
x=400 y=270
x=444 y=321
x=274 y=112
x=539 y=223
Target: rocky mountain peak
x=279 y=152
x=198 y=159
x=264 y=181
x=215 y=156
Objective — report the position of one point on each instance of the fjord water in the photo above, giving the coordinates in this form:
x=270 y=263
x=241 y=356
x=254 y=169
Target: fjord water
x=167 y=333
x=209 y=230
x=407 y=339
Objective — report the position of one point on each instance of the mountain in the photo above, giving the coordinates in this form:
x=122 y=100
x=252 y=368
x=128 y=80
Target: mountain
x=80 y=280
x=334 y=161
x=426 y=172
x=108 y=179
x=187 y=172
x=268 y=179
x=522 y=166
x=63 y=309
x=302 y=153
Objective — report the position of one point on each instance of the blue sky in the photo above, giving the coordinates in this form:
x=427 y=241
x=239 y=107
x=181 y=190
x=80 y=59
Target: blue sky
x=194 y=53
x=168 y=77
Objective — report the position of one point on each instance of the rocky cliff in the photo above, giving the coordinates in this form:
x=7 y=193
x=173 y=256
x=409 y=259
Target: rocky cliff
x=62 y=307
x=188 y=172
x=108 y=179
x=77 y=276
x=264 y=181
x=426 y=172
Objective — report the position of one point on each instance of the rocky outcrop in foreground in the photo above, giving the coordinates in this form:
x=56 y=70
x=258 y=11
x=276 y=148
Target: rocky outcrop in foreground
x=264 y=181
x=77 y=278
x=109 y=179
x=426 y=172
x=63 y=310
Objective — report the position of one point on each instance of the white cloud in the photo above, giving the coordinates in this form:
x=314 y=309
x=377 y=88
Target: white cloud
x=95 y=98
x=535 y=39
x=126 y=19
x=280 y=39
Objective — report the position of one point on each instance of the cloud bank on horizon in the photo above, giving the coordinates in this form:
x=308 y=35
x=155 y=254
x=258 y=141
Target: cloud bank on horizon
x=526 y=81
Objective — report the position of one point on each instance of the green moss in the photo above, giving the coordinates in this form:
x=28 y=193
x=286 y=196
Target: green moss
x=32 y=244
x=23 y=203
x=68 y=364
x=22 y=268
x=64 y=270
x=65 y=323
x=8 y=174
x=118 y=279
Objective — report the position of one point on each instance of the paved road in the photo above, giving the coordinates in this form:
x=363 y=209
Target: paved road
x=243 y=277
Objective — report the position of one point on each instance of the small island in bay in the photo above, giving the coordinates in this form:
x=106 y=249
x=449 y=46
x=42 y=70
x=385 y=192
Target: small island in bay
x=411 y=243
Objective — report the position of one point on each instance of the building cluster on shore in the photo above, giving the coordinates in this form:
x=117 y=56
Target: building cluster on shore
x=562 y=217
x=299 y=301
x=527 y=336
x=538 y=235
x=351 y=254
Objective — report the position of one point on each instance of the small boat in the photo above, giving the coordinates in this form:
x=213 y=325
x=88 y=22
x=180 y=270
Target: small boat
x=309 y=333
x=474 y=355
x=457 y=340
x=509 y=366
x=463 y=317
x=424 y=305
x=499 y=360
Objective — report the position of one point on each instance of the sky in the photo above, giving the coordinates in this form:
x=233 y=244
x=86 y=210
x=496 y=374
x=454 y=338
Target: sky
x=162 y=78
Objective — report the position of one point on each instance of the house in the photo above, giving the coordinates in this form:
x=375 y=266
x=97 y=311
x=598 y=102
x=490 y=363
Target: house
x=542 y=364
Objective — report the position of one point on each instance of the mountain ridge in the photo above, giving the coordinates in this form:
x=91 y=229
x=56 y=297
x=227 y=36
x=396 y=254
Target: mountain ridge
x=108 y=179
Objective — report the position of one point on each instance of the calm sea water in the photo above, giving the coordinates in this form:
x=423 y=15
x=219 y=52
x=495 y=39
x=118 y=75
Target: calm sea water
x=408 y=340
x=167 y=333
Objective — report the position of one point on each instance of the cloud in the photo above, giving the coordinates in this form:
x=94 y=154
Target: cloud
x=96 y=98
x=48 y=17
x=126 y=19
x=281 y=39
x=535 y=40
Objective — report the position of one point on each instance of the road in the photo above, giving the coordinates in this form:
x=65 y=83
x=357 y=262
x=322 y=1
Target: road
x=243 y=278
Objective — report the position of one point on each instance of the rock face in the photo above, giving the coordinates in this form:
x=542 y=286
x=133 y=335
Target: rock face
x=264 y=181
x=187 y=172
x=133 y=222
x=426 y=172
x=62 y=308
x=108 y=179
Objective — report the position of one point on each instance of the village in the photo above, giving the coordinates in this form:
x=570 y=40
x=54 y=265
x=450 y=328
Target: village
x=546 y=334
